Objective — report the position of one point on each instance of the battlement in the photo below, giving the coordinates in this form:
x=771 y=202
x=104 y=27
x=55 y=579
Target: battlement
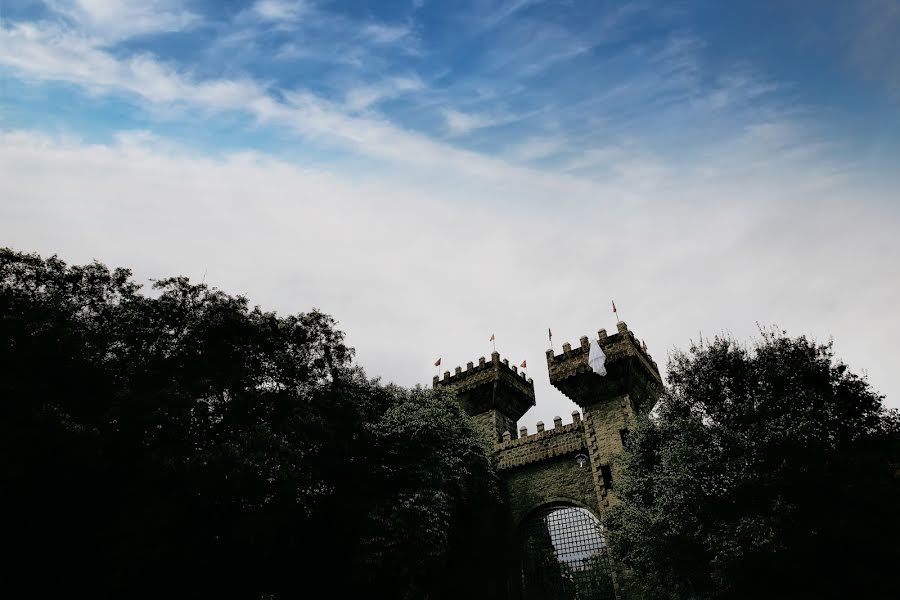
x=493 y=392
x=630 y=369
x=474 y=374
x=543 y=444
x=541 y=433
x=552 y=469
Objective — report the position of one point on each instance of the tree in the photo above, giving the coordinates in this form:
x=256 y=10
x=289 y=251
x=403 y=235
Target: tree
x=432 y=504
x=764 y=472
x=184 y=444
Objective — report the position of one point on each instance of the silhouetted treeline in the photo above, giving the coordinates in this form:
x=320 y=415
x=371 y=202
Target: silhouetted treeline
x=181 y=443
x=766 y=471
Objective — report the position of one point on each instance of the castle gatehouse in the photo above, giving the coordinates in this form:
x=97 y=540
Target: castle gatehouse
x=558 y=482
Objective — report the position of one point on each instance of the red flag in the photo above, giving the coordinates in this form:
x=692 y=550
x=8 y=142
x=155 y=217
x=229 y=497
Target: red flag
x=492 y=338
x=614 y=307
x=523 y=364
x=437 y=363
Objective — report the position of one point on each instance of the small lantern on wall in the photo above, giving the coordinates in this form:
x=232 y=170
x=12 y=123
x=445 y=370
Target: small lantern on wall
x=581 y=459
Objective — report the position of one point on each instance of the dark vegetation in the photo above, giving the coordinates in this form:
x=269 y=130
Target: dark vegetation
x=766 y=472
x=181 y=443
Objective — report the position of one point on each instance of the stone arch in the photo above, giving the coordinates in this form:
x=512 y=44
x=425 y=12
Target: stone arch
x=560 y=501
x=562 y=553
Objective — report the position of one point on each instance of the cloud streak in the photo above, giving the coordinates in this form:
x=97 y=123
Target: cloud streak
x=460 y=123
x=54 y=55
x=114 y=20
x=411 y=274
x=465 y=181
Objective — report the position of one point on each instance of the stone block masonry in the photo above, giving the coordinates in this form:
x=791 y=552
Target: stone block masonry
x=559 y=441
x=493 y=393
x=573 y=464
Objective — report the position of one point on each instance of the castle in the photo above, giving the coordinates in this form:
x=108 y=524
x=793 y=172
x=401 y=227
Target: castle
x=558 y=483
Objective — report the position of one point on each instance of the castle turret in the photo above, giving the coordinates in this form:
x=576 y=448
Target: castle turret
x=493 y=393
x=610 y=402
x=631 y=372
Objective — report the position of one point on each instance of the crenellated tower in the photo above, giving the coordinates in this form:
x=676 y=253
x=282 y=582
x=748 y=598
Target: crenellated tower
x=610 y=402
x=493 y=393
x=558 y=483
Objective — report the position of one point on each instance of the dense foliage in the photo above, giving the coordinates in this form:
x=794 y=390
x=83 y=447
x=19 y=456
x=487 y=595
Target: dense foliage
x=181 y=443
x=764 y=472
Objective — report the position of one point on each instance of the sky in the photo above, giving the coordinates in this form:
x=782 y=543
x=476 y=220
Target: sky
x=432 y=173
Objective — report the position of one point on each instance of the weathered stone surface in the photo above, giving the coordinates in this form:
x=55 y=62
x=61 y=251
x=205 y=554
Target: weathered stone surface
x=540 y=446
x=630 y=371
x=556 y=478
x=542 y=468
x=493 y=393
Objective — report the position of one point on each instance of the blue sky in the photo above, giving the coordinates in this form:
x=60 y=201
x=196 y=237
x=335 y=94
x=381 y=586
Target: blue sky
x=431 y=172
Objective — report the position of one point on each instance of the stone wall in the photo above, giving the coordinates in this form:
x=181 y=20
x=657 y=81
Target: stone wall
x=545 y=443
x=556 y=479
x=493 y=392
x=544 y=467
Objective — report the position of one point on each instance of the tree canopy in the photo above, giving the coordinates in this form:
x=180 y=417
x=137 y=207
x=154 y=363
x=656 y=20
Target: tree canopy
x=181 y=442
x=768 y=471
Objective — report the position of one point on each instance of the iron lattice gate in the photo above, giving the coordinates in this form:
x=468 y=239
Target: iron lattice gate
x=563 y=556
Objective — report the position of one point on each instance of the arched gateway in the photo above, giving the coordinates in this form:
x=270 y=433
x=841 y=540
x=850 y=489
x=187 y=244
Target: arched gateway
x=558 y=483
x=562 y=555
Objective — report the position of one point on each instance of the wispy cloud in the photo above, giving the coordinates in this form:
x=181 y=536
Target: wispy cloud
x=49 y=54
x=525 y=47
x=537 y=148
x=491 y=13
x=45 y=52
x=362 y=97
x=461 y=123
x=509 y=147
x=381 y=33
x=163 y=210
x=114 y=20
x=321 y=32
x=280 y=10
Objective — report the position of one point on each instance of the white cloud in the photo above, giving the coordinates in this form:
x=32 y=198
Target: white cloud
x=280 y=10
x=439 y=246
x=362 y=97
x=50 y=54
x=460 y=123
x=53 y=54
x=323 y=35
x=496 y=12
x=738 y=86
x=114 y=20
x=415 y=270
x=381 y=33
x=536 y=148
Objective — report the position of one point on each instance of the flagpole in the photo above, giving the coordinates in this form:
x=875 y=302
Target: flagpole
x=616 y=312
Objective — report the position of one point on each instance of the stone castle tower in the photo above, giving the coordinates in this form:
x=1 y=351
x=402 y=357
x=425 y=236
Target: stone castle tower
x=559 y=482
